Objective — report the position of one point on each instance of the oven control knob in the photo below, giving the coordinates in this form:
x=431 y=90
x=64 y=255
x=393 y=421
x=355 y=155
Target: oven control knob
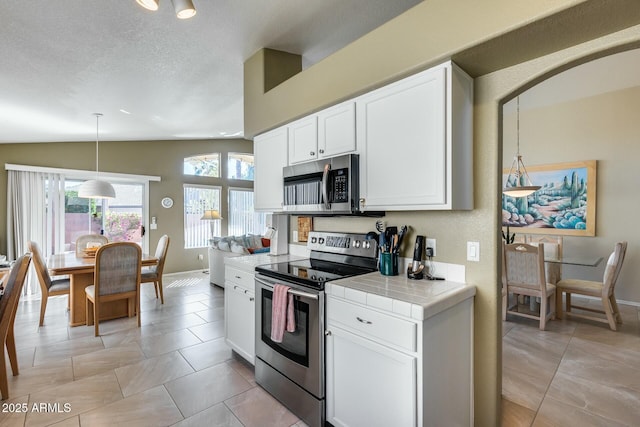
x=366 y=244
x=314 y=240
x=356 y=243
x=321 y=240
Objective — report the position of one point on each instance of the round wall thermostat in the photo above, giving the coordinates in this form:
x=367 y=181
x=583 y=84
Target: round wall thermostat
x=167 y=202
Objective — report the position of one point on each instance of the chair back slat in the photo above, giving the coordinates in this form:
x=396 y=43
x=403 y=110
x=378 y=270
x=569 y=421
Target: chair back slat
x=612 y=270
x=161 y=255
x=117 y=268
x=525 y=266
x=40 y=266
x=12 y=289
x=81 y=242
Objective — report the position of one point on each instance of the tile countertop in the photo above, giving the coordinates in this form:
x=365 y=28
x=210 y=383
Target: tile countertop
x=249 y=263
x=417 y=299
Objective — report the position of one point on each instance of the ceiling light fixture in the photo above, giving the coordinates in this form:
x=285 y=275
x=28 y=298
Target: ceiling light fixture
x=184 y=8
x=518 y=182
x=94 y=188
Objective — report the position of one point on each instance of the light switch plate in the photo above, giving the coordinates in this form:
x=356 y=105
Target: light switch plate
x=473 y=251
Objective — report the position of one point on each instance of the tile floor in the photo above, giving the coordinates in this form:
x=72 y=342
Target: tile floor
x=176 y=370
x=576 y=373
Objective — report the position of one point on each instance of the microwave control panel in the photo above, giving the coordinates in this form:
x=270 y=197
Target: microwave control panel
x=340 y=186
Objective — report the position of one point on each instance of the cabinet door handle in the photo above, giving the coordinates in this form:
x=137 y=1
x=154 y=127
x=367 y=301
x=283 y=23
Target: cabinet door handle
x=366 y=322
x=251 y=298
x=321 y=151
x=312 y=153
x=327 y=333
x=362 y=202
x=238 y=277
x=246 y=291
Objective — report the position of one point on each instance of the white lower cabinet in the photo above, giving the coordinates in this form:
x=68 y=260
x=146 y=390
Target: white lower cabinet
x=368 y=384
x=239 y=312
x=385 y=369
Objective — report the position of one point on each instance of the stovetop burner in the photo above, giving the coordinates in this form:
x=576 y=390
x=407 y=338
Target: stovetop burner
x=333 y=256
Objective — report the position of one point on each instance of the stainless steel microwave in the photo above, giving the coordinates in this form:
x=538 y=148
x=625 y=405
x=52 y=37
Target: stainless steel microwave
x=327 y=186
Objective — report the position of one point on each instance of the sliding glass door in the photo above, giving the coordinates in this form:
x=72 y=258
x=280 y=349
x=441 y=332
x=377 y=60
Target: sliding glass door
x=120 y=219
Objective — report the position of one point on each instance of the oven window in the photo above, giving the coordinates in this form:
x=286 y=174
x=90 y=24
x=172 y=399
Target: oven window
x=294 y=345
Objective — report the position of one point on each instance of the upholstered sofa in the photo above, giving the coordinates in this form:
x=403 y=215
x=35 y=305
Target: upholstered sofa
x=232 y=246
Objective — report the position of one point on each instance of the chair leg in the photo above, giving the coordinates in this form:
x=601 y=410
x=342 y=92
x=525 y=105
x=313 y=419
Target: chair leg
x=505 y=303
x=608 y=310
x=11 y=351
x=559 y=304
x=4 y=383
x=543 y=312
x=43 y=308
x=138 y=305
x=159 y=285
x=89 y=312
x=616 y=310
x=155 y=288
x=567 y=302
x=96 y=317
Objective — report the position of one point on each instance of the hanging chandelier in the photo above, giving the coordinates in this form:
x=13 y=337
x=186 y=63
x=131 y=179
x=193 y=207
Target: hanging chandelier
x=518 y=182
x=184 y=8
x=95 y=188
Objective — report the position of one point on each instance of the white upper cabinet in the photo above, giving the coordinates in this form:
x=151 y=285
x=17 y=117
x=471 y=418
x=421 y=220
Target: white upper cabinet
x=303 y=140
x=337 y=130
x=414 y=137
x=270 y=151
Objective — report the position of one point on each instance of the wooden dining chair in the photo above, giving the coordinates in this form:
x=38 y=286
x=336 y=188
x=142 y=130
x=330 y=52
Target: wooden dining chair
x=81 y=242
x=48 y=287
x=604 y=290
x=524 y=275
x=154 y=273
x=116 y=277
x=8 y=308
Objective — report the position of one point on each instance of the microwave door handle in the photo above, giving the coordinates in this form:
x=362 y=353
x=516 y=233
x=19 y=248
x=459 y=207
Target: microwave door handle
x=325 y=186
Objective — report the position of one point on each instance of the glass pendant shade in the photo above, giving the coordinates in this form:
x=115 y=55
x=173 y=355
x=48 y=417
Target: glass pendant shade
x=184 y=8
x=149 y=4
x=518 y=182
x=96 y=188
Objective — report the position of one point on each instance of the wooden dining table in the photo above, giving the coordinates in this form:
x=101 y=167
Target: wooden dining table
x=80 y=270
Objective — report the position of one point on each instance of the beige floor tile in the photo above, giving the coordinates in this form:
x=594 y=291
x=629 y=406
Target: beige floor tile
x=602 y=334
x=178 y=322
x=69 y=422
x=78 y=397
x=119 y=338
x=524 y=387
x=257 y=408
x=209 y=331
x=33 y=380
x=617 y=403
x=514 y=415
x=207 y=354
x=198 y=391
x=13 y=411
x=41 y=338
x=165 y=343
x=242 y=367
x=618 y=354
x=151 y=408
x=212 y=314
x=65 y=349
x=553 y=413
x=217 y=415
x=149 y=373
x=108 y=359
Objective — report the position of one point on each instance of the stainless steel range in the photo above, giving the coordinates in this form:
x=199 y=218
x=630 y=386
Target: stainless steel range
x=293 y=370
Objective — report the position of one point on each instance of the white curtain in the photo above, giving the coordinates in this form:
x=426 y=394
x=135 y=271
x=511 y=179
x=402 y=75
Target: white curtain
x=35 y=211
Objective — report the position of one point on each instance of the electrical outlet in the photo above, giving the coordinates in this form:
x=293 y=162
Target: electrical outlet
x=431 y=244
x=200 y=257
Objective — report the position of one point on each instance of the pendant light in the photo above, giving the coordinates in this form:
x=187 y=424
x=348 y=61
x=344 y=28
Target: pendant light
x=95 y=188
x=184 y=8
x=515 y=187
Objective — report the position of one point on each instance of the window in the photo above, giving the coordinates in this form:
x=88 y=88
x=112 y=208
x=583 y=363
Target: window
x=240 y=166
x=241 y=217
x=197 y=199
x=203 y=165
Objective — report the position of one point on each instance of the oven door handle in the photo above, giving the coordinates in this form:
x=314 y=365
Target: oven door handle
x=291 y=290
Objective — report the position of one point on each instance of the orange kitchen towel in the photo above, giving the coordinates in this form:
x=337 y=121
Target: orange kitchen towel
x=282 y=313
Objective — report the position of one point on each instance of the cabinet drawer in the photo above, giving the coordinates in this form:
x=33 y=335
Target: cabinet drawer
x=239 y=277
x=377 y=325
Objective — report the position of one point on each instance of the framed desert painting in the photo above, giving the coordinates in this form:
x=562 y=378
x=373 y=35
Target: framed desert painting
x=564 y=205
